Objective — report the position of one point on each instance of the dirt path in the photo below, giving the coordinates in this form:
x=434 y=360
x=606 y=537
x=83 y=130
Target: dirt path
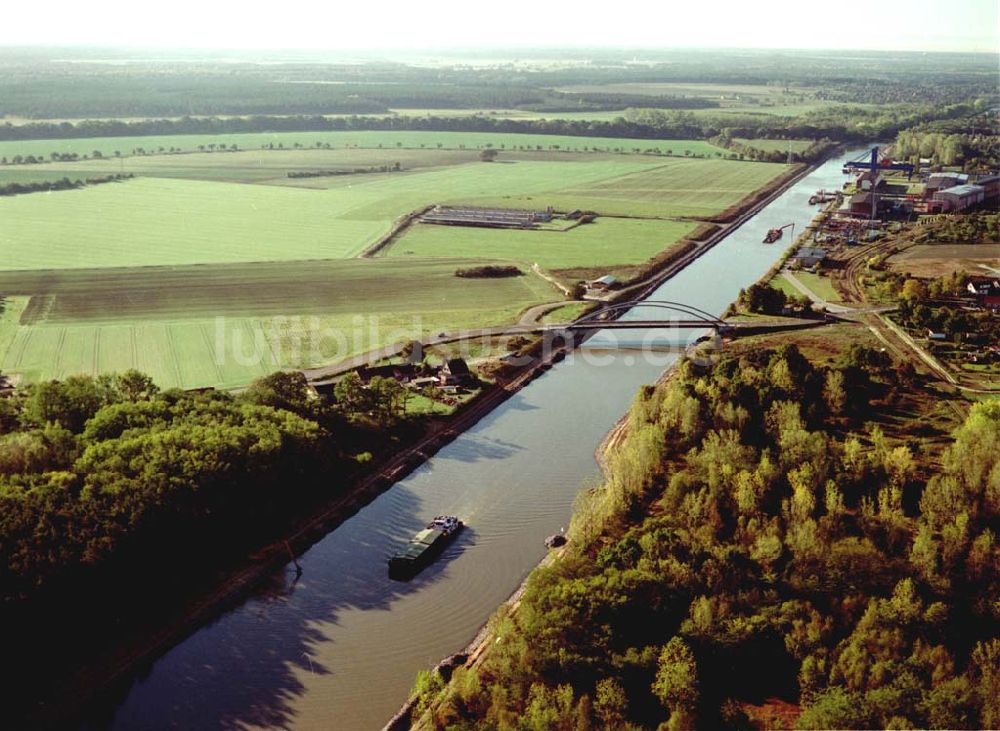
x=533 y=315
x=550 y=279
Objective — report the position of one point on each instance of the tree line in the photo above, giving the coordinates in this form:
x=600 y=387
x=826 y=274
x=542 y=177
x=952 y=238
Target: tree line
x=841 y=123
x=61 y=184
x=756 y=538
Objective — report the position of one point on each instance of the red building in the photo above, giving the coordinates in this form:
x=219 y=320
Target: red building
x=986 y=291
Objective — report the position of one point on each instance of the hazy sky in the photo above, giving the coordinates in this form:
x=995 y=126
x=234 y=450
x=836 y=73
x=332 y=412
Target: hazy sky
x=930 y=25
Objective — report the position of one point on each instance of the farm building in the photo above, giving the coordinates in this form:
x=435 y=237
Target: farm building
x=809 y=256
x=986 y=291
x=603 y=283
x=486 y=217
x=958 y=198
x=942 y=181
x=455 y=372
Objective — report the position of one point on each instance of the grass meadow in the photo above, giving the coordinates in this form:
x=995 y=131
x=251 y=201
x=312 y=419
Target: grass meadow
x=676 y=187
x=136 y=273
x=775 y=145
x=372 y=139
x=224 y=325
x=606 y=242
x=148 y=221
x=162 y=221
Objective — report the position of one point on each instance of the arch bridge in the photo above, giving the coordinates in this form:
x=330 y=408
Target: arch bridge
x=686 y=316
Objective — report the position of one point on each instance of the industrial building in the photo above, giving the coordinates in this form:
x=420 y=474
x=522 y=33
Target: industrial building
x=958 y=198
x=869 y=180
x=991 y=187
x=861 y=204
x=943 y=181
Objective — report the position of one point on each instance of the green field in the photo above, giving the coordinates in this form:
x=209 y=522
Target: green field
x=108 y=146
x=272 y=167
x=33 y=174
x=567 y=313
x=164 y=271
x=676 y=187
x=154 y=222
x=779 y=282
x=255 y=166
x=149 y=221
x=819 y=285
x=606 y=242
x=174 y=323
x=775 y=145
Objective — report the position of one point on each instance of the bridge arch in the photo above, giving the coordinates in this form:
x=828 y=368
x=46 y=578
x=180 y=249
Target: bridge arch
x=678 y=307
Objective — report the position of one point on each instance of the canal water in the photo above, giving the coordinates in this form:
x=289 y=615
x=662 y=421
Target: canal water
x=339 y=647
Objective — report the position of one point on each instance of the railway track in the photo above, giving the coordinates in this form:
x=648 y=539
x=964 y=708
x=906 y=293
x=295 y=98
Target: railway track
x=903 y=348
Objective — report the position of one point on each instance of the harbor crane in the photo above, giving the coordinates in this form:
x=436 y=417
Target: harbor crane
x=871 y=161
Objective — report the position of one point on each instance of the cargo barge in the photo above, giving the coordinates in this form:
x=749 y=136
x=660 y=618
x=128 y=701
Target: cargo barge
x=424 y=547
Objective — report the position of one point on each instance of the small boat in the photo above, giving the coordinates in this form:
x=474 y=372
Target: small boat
x=424 y=547
x=822 y=196
x=772 y=235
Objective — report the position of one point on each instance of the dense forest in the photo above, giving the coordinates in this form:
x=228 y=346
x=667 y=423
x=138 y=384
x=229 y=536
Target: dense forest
x=971 y=141
x=42 y=84
x=759 y=544
x=97 y=475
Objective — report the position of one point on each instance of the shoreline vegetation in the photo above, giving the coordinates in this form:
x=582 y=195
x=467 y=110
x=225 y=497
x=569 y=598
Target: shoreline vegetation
x=246 y=565
x=632 y=543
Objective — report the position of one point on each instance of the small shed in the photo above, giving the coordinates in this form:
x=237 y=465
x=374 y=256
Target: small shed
x=603 y=283
x=424 y=382
x=810 y=256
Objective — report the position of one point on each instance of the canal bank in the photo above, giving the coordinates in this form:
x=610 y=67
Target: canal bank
x=339 y=648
